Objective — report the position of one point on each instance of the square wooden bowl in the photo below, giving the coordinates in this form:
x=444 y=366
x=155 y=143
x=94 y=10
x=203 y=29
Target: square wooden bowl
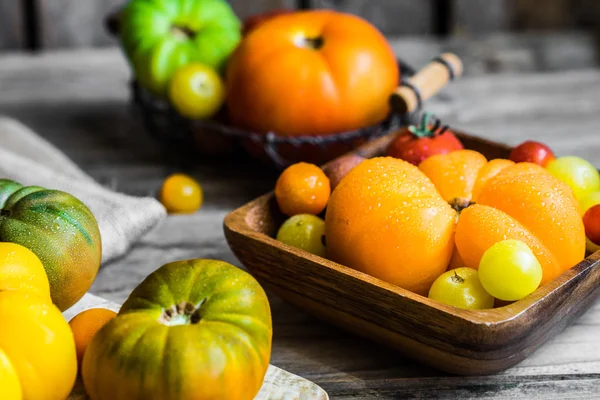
x=458 y=341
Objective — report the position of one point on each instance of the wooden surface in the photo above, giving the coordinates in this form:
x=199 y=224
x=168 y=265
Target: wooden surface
x=78 y=101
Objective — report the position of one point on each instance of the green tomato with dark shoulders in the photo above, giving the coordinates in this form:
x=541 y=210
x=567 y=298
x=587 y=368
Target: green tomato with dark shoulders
x=193 y=329
x=60 y=230
x=159 y=36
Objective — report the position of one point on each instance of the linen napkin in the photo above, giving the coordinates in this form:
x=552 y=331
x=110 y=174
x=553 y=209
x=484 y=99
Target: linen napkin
x=31 y=160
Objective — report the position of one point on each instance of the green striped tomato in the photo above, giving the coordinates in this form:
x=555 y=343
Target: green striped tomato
x=60 y=230
x=195 y=329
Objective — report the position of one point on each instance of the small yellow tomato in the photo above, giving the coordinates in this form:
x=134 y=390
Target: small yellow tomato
x=509 y=270
x=196 y=91
x=181 y=193
x=460 y=287
x=21 y=269
x=37 y=340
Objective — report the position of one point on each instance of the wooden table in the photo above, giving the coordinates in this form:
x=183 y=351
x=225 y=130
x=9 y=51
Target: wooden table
x=79 y=101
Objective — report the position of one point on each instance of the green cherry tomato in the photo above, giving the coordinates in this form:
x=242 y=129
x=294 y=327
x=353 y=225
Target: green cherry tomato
x=159 y=37
x=509 y=270
x=461 y=288
x=196 y=91
x=576 y=172
x=304 y=231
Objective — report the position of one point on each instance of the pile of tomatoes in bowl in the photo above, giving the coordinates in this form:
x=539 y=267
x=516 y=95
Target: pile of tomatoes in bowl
x=443 y=221
x=288 y=73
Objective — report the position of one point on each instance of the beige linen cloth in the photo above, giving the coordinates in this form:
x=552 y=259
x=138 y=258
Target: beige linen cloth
x=29 y=159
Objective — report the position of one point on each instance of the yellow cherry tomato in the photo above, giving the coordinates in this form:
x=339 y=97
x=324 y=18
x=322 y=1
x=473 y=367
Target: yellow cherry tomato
x=461 y=288
x=181 y=194
x=21 y=269
x=38 y=342
x=196 y=91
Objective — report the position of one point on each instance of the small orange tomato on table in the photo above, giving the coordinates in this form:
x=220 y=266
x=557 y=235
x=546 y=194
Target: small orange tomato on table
x=85 y=325
x=181 y=193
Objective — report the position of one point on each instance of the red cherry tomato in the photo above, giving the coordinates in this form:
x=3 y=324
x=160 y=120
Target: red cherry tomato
x=534 y=152
x=253 y=21
x=591 y=221
x=415 y=144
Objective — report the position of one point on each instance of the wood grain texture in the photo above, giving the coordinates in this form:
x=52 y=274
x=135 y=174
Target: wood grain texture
x=78 y=100
x=74 y=23
x=393 y=17
x=11 y=25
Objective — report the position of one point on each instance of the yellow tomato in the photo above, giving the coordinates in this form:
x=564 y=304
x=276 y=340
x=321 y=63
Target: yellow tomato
x=181 y=194
x=21 y=269
x=37 y=343
x=196 y=91
x=9 y=380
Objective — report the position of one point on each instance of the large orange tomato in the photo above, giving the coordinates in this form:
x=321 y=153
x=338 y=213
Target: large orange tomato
x=405 y=224
x=311 y=73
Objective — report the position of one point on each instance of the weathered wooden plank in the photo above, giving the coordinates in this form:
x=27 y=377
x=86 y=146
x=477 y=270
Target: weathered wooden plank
x=393 y=17
x=73 y=23
x=11 y=25
x=471 y=17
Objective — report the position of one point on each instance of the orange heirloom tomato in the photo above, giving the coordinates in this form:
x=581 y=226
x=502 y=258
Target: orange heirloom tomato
x=402 y=224
x=36 y=345
x=311 y=73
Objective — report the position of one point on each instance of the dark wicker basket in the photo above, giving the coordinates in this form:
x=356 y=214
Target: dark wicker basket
x=218 y=138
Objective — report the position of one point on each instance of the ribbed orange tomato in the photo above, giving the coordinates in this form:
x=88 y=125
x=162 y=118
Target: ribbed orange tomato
x=406 y=225
x=313 y=72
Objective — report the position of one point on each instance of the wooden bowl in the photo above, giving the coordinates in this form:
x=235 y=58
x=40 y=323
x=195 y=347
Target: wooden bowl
x=463 y=342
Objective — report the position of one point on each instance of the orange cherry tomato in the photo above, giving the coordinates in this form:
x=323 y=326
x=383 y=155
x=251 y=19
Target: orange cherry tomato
x=302 y=188
x=85 y=325
x=181 y=193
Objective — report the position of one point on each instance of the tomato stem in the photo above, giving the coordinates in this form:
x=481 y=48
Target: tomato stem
x=429 y=127
x=184 y=313
x=182 y=32
x=457 y=278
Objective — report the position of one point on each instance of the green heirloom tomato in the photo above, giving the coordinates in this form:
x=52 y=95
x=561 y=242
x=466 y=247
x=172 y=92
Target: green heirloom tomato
x=194 y=329
x=159 y=36
x=60 y=230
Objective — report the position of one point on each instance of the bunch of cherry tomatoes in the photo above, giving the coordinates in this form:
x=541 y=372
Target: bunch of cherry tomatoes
x=508 y=270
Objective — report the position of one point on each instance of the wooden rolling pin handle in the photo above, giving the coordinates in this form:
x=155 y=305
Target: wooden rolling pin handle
x=425 y=83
